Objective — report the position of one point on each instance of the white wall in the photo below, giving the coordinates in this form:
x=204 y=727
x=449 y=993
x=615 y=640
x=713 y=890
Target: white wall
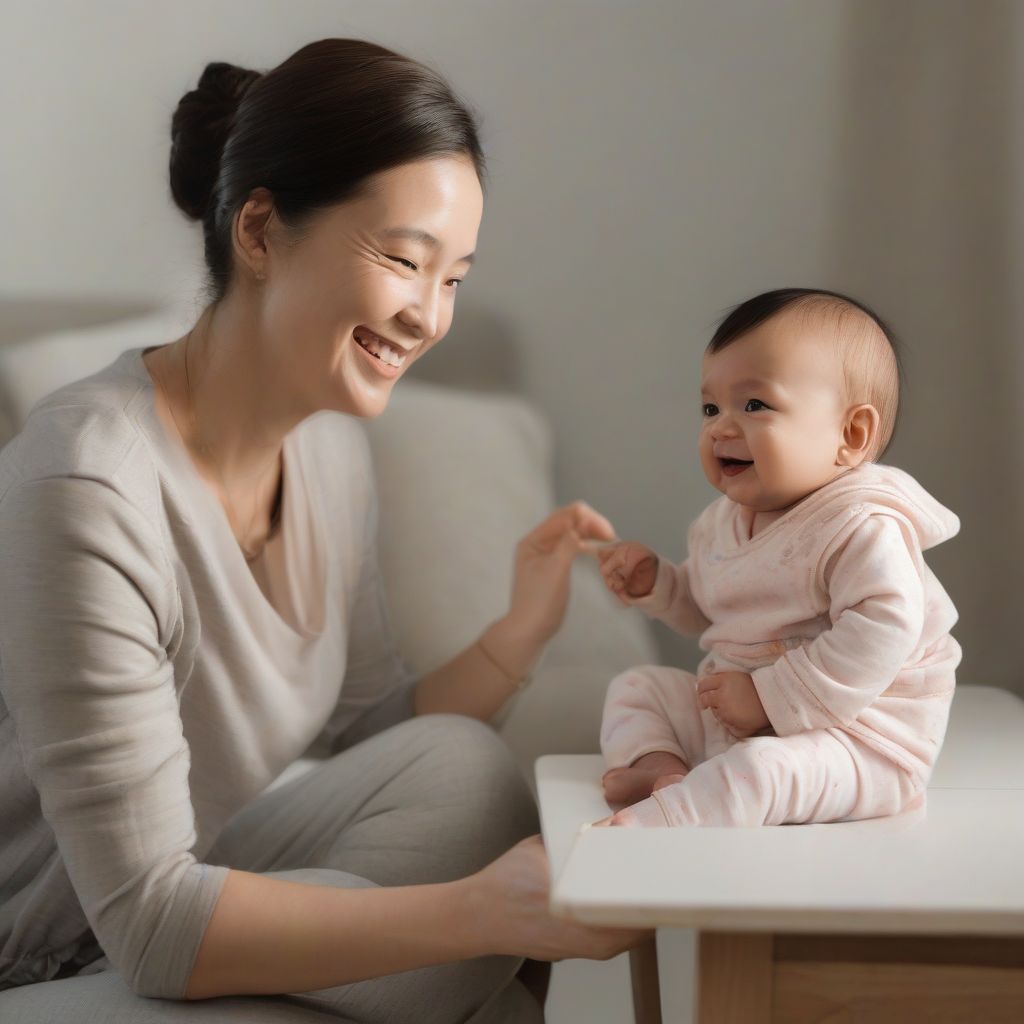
x=652 y=164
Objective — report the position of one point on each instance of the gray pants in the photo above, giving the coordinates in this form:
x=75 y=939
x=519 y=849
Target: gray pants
x=429 y=800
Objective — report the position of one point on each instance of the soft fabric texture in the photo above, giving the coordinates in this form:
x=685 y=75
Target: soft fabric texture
x=436 y=778
x=832 y=611
x=149 y=689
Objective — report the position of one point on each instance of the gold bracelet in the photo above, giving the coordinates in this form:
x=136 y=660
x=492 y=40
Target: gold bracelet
x=520 y=683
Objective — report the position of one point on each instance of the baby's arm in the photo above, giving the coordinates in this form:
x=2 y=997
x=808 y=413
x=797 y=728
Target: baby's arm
x=877 y=609
x=639 y=578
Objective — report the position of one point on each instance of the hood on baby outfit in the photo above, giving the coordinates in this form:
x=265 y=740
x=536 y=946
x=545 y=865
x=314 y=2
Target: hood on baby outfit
x=887 y=486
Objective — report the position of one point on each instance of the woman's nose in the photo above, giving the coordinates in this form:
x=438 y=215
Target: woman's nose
x=421 y=315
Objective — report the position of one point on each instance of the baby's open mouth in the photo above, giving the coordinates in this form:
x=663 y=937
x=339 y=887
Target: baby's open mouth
x=733 y=467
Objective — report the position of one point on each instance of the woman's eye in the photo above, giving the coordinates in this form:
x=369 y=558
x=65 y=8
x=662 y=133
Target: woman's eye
x=710 y=410
x=404 y=262
x=754 y=405
x=455 y=282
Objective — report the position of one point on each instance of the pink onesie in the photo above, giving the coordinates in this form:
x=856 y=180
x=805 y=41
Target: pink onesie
x=845 y=632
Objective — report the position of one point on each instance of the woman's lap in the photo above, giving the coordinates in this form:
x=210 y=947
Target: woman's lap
x=432 y=799
x=429 y=800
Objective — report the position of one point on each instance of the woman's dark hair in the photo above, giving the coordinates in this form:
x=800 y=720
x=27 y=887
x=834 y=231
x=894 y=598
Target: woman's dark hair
x=874 y=358
x=311 y=131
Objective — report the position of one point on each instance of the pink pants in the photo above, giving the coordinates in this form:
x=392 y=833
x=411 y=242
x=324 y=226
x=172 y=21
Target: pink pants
x=817 y=776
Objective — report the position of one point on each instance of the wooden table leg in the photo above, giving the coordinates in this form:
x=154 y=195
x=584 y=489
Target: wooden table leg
x=643 y=967
x=734 y=978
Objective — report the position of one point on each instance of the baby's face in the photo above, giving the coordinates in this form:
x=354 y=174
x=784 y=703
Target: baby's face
x=774 y=413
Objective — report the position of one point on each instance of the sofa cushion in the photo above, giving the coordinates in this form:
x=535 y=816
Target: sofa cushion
x=33 y=367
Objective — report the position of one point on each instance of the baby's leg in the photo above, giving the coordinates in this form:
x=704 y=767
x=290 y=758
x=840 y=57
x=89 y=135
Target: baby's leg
x=776 y=780
x=651 y=733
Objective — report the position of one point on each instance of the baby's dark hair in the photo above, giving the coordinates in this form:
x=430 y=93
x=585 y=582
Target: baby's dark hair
x=867 y=345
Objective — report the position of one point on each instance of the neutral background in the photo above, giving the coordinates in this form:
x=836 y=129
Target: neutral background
x=651 y=165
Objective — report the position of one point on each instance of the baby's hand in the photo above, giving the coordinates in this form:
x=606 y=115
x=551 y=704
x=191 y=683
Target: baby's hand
x=629 y=569
x=733 y=700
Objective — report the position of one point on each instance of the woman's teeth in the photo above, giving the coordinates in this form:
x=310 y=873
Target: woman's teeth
x=382 y=350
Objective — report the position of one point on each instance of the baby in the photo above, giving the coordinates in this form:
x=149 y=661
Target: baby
x=825 y=692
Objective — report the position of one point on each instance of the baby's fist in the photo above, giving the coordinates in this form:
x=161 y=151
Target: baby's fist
x=629 y=569
x=733 y=699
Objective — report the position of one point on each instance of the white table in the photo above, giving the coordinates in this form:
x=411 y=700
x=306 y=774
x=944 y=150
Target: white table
x=918 y=917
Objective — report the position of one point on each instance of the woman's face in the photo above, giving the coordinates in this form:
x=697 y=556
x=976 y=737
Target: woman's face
x=370 y=285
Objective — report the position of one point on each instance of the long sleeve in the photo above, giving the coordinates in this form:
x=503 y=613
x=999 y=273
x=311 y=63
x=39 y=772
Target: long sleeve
x=876 y=596
x=672 y=601
x=88 y=614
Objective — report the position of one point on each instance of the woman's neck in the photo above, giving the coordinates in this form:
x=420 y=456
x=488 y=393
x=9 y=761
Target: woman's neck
x=238 y=412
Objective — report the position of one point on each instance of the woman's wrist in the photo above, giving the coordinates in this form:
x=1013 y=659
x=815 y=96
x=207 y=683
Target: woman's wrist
x=467 y=920
x=481 y=679
x=475 y=930
x=512 y=647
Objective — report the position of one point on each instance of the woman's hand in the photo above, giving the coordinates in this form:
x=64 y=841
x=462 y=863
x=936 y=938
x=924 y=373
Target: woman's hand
x=540 y=590
x=480 y=680
x=513 y=894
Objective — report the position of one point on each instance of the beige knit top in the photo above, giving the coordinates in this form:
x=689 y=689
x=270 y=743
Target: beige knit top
x=150 y=684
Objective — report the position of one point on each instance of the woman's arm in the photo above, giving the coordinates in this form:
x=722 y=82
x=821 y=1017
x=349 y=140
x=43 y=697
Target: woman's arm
x=87 y=604
x=270 y=936
x=479 y=680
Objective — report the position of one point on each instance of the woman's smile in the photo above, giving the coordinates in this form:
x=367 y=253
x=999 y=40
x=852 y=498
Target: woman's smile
x=386 y=356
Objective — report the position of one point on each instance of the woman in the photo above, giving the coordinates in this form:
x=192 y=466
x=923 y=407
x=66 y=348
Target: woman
x=188 y=573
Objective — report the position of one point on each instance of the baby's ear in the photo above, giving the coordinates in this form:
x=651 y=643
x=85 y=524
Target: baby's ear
x=860 y=436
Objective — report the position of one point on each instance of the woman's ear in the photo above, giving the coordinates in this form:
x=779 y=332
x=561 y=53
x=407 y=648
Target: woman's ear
x=251 y=225
x=860 y=436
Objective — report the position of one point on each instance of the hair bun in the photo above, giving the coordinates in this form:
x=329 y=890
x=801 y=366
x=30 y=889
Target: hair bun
x=199 y=130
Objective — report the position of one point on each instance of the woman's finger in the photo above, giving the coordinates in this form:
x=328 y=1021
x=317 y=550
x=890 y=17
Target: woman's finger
x=590 y=523
x=578 y=516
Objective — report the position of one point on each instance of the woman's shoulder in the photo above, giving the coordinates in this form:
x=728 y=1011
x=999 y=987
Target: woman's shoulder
x=88 y=430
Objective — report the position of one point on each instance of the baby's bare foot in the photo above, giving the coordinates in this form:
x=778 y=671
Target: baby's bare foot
x=625 y=786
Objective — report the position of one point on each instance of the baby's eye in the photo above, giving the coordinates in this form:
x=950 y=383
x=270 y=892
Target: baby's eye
x=754 y=405
x=710 y=409
x=403 y=261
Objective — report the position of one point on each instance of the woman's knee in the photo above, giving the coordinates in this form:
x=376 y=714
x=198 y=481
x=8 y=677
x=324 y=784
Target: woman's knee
x=464 y=772
x=476 y=769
